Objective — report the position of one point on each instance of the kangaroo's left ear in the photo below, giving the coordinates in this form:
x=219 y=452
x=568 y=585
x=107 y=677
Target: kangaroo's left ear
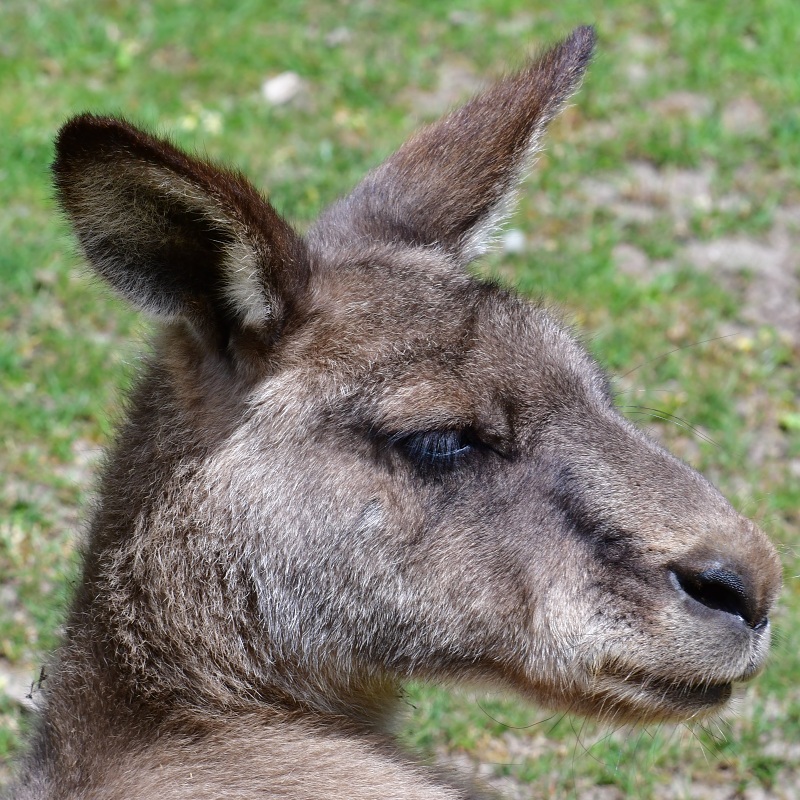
x=453 y=183
x=175 y=235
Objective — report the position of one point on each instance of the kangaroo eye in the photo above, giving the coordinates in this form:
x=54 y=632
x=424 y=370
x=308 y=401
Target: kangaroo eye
x=438 y=449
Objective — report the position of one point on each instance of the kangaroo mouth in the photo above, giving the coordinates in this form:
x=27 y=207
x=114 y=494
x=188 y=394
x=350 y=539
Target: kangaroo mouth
x=693 y=696
x=653 y=698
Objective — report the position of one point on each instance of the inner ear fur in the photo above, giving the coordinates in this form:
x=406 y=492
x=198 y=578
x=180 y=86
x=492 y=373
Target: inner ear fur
x=176 y=235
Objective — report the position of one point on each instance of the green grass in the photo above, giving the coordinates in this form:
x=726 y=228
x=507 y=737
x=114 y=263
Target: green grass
x=67 y=349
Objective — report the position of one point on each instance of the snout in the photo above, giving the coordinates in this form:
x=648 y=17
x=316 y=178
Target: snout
x=722 y=598
x=682 y=586
x=712 y=630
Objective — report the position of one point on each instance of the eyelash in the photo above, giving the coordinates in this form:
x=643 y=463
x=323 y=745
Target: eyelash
x=439 y=450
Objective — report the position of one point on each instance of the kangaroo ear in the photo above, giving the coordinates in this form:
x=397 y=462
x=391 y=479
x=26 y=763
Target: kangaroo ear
x=175 y=235
x=453 y=183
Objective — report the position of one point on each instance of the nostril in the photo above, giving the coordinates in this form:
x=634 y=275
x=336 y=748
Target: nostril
x=719 y=588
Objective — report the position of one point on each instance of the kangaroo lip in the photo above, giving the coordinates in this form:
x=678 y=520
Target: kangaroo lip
x=679 y=694
x=709 y=694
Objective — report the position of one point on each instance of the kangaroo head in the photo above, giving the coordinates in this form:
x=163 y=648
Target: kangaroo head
x=349 y=462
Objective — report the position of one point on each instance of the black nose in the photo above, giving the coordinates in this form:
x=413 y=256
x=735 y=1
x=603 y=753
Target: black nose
x=722 y=589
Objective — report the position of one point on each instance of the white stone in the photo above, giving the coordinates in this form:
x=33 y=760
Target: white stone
x=282 y=88
x=514 y=241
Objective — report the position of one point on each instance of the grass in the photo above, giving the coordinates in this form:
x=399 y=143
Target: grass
x=662 y=96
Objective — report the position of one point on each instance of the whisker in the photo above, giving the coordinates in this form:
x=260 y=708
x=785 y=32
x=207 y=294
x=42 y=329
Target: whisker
x=671 y=352
x=665 y=416
x=514 y=727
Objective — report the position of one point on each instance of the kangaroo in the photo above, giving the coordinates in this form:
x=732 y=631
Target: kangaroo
x=348 y=463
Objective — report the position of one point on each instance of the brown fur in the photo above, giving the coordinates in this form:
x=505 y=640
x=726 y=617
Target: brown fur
x=349 y=463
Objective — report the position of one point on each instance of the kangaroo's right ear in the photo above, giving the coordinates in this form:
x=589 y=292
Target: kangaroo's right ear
x=174 y=235
x=452 y=184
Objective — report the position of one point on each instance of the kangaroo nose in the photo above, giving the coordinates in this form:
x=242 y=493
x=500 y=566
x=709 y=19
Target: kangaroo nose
x=720 y=588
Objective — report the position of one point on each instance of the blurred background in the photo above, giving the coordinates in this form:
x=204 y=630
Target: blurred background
x=663 y=219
